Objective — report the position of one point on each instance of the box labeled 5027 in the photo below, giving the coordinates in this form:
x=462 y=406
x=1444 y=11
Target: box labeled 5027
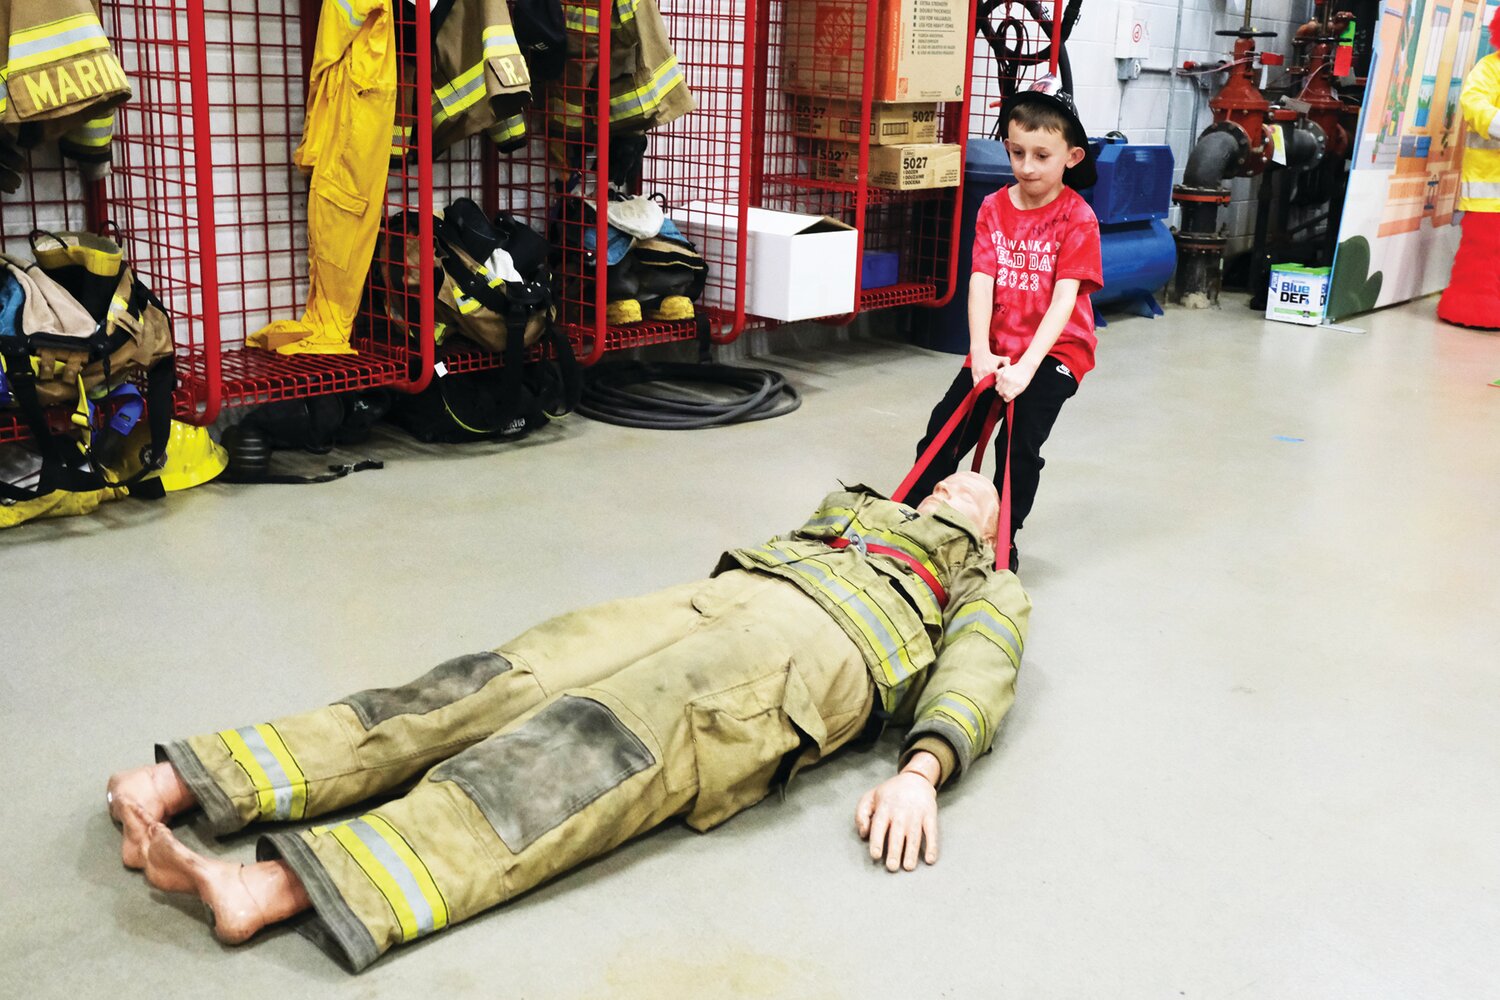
x=916 y=166
x=890 y=124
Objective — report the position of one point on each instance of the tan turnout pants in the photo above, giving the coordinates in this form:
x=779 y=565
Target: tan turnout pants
x=554 y=748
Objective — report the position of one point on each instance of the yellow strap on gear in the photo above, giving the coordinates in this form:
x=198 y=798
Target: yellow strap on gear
x=96 y=133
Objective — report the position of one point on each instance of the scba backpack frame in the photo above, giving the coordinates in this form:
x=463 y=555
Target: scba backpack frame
x=77 y=328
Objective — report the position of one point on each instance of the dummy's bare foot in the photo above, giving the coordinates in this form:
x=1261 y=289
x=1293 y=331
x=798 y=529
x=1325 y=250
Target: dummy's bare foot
x=157 y=793
x=242 y=898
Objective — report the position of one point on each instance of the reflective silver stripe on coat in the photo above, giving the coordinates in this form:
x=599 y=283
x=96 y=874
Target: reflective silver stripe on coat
x=355 y=21
x=41 y=46
x=837 y=521
x=1476 y=141
x=983 y=618
x=1480 y=189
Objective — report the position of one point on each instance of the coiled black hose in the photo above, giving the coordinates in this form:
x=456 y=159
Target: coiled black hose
x=1007 y=38
x=680 y=396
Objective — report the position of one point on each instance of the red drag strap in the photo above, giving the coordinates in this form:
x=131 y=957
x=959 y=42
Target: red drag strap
x=932 y=582
x=1002 y=535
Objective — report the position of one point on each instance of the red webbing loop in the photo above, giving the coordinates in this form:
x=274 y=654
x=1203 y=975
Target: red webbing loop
x=1002 y=535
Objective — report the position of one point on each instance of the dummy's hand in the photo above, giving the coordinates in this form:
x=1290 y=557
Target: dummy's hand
x=1012 y=380
x=896 y=816
x=983 y=365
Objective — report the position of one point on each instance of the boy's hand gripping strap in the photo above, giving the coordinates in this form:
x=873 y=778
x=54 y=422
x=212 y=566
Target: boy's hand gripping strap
x=960 y=415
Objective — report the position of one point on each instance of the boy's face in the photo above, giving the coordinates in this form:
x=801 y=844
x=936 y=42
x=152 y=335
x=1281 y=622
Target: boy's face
x=1038 y=158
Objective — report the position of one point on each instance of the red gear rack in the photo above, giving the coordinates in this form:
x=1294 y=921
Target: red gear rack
x=921 y=226
x=211 y=212
x=691 y=163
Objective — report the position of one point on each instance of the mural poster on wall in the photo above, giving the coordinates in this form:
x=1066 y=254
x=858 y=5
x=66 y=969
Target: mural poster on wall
x=1398 y=237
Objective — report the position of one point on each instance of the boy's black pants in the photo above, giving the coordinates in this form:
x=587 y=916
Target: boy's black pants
x=1035 y=412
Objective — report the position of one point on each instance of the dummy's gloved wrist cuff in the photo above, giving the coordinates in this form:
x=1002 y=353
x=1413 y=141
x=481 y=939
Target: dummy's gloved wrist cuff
x=222 y=816
x=334 y=927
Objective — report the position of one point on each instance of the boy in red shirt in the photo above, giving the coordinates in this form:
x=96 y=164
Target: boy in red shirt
x=1036 y=261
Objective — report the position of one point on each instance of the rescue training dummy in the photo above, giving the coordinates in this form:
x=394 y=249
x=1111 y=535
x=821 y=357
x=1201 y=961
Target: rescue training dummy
x=1473 y=294
x=599 y=725
x=351 y=110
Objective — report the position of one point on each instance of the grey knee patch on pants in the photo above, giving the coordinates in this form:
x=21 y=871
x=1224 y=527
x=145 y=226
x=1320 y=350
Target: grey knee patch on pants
x=528 y=781
x=438 y=688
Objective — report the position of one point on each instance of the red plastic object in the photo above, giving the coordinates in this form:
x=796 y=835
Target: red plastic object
x=983 y=387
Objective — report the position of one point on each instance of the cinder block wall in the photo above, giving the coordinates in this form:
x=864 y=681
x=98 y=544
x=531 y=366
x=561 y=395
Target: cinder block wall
x=1139 y=107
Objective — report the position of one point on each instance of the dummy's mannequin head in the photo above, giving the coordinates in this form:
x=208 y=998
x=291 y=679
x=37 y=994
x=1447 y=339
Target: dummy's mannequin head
x=971 y=495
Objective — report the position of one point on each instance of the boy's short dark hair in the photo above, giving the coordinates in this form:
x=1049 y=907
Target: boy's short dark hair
x=1035 y=117
x=1045 y=105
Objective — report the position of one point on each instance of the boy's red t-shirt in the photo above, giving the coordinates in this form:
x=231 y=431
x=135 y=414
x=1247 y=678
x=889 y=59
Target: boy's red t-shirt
x=1026 y=251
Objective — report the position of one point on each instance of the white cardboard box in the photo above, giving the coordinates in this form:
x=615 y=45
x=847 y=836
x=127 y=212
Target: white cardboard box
x=796 y=266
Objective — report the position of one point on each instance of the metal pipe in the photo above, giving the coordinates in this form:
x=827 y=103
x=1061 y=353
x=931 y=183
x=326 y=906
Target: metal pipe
x=1303 y=151
x=1172 y=81
x=1210 y=160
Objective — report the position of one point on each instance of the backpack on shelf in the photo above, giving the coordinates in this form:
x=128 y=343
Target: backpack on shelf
x=78 y=330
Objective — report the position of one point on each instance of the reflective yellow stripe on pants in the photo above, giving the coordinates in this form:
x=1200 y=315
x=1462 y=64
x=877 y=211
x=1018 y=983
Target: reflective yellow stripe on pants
x=278 y=781
x=386 y=857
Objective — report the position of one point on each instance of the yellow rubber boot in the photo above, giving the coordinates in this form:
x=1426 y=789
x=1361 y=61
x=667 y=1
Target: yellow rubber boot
x=673 y=309
x=623 y=311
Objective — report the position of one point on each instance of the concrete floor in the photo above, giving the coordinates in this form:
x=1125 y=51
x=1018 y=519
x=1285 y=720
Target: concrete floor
x=1254 y=753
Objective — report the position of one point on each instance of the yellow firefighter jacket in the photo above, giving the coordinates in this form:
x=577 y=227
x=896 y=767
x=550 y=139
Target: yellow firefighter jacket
x=1480 y=188
x=59 y=79
x=350 y=110
x=946 y=659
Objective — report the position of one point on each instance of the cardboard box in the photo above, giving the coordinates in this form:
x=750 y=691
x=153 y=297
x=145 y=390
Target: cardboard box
x=917 y=166
x=1298 y=294
x=835 y=161
x=919 y=49
x=796 y=266
x=890 y=124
